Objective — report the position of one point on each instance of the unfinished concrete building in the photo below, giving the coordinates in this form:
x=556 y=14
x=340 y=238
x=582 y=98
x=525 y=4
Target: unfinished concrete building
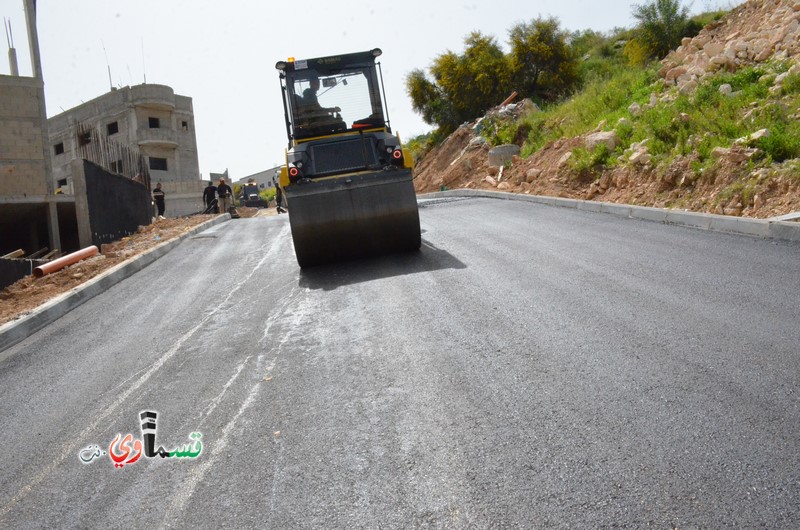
x=149 y=119
x=30 y=211
x=107 y=182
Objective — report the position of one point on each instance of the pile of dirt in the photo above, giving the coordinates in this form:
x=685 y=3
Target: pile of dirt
x=462 y=161
x=27 y=294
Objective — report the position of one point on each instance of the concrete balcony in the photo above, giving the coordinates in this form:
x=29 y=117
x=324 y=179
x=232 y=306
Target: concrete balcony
x=153 y=96
x=157 y=137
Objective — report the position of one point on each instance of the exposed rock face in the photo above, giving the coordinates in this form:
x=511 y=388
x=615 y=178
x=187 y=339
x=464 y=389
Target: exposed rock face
x=772 y=31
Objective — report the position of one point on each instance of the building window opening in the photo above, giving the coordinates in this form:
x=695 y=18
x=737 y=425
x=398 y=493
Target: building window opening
x=59 y=148
x=155 y=123
x=116 y=167
x=85 y=138
x=185 y=126
x=112 y=128
x=158 y=164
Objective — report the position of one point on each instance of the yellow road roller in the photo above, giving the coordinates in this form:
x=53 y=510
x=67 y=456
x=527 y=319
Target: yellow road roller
x=347 y=178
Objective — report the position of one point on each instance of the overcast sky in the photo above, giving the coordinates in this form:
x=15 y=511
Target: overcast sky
x=223 y=54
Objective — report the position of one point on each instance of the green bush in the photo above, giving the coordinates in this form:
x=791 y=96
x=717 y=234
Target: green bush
x=664 y=128
x=586 y=163
x=499 y=131
x=267 y=195
x=707 y=95
x=783 y=143
x=791 y=85
x=662 y=24
x=625 y=130
x=421 y=144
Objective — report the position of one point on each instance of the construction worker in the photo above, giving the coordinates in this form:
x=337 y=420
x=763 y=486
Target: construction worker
x=225 y=193
x=210 y=198
x=158 y=199
x=278 y=198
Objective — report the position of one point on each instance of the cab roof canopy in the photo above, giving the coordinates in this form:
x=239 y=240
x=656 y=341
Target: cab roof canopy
x=332 y=63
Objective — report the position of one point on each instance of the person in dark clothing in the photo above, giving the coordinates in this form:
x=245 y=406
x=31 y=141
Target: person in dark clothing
x=311 y=104
x=210 y=198
x=158 y=198
x=278 y=198
x=225 y=193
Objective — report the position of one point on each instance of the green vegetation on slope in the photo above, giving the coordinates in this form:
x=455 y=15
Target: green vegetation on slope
x=545 y=63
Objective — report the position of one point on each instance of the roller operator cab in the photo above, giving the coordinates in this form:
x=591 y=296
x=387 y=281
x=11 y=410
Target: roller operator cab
x=347 y=178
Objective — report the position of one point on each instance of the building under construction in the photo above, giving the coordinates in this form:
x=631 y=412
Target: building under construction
x=132 y=131
x=85 y=176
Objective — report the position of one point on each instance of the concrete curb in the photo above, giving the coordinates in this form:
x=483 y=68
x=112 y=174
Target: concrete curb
x=765 y=228
x=18 y=330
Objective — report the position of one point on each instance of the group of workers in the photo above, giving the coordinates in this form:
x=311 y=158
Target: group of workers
x=217 y=198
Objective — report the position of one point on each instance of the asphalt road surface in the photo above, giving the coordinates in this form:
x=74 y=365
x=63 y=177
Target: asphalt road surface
x=530 y=367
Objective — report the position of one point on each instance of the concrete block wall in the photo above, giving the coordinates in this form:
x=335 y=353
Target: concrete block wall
x=19 y=96
x=183 y=197
x=21 y=140
x=117 y=206
x=22 y=165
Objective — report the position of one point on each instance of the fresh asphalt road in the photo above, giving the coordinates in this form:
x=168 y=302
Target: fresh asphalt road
x=530 y=367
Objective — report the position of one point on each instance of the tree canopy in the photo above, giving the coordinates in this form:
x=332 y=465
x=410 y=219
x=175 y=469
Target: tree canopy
x=662 y=25
x=540 y=65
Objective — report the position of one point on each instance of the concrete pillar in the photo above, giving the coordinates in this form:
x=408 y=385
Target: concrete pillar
x=33 y=38
x=133 y=127
x=81 y=203
x=12 y=62
x=177 y=154
x=36 y=65
x=52 y=225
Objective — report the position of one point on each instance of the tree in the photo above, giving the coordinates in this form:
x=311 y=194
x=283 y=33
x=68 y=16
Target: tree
x=662 y=25
x=464 y=85
x=589 y=41
x=427 y=98
x=542 y=64
x=472 y=82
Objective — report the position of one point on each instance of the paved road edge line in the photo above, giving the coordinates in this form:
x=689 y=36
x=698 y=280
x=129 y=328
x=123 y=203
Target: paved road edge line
x=16 y=331
x=765 y=228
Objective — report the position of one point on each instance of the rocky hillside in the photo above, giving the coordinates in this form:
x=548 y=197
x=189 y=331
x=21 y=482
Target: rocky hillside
x=744 y=64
